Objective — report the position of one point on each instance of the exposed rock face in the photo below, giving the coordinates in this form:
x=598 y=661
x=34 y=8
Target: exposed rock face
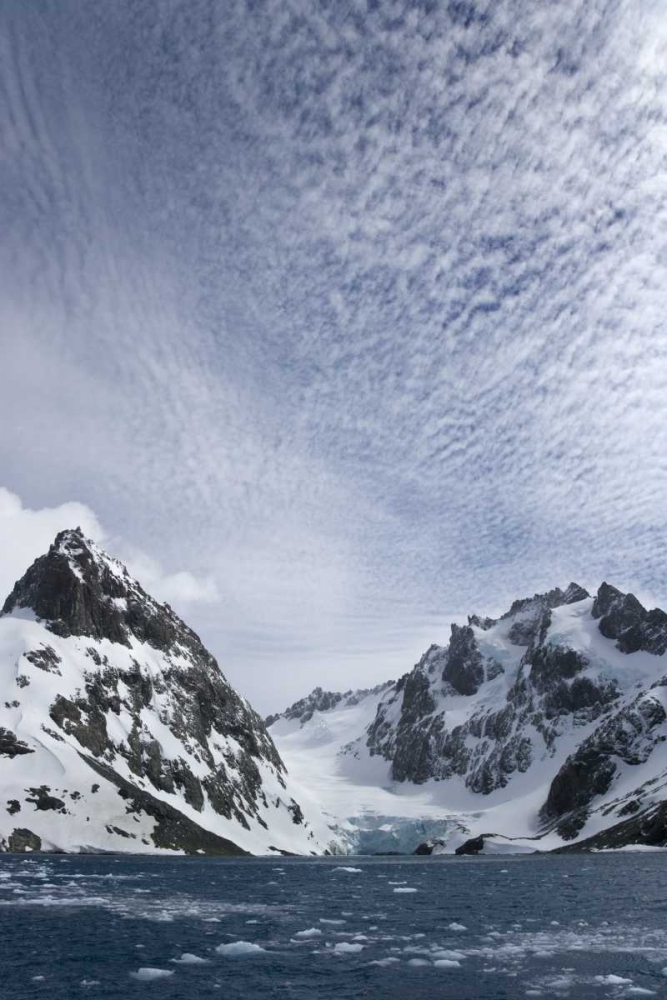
x=623 y=618
x=648 y=828
x=426 y=848
x=629 y=736
x=21 y=842
x=10 y=746
x=129 y=691
x=553 y=689
x=559 y=705
x=464 y=669
x=411 y=727
x=473 y=846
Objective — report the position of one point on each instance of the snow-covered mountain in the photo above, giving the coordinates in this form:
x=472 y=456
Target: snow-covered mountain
x=119 y=732
x=546 y=727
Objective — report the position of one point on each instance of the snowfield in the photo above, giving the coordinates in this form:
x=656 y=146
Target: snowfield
x=329 y=754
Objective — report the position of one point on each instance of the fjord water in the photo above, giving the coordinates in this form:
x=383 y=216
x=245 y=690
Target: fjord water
x=586 y=926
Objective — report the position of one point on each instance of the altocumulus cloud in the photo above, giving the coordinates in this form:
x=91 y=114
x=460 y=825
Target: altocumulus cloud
x=353 y=311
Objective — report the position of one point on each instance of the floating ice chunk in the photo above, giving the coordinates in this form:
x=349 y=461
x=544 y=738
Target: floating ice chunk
x=613 y=980
x=447 y=963
x=325 y=920
x=238 y=949
x=456 y=927
x=639 y=991
x=385 y=961
x=38 y=979
x=211 y=920
x=89 y=982
x=418 y=962
x=187 y=958
x=346 y=868
x=312 y=932
x=443 y=954
x=347 y=948
x=562 y=983
x=405 y=888
x=147 y=974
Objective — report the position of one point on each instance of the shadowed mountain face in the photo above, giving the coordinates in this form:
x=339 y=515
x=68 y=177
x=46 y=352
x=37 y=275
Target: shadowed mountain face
x=112 y=696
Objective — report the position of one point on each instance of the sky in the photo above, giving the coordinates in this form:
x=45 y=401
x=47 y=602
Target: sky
x=337 y=321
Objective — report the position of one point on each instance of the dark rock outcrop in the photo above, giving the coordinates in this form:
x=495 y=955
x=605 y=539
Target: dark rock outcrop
x=23 y=841
x=173 y=830
x=648 y=828
x=11 y=746
x=624 y=618
x=464 y=669
x=625 y=737
x=473 y=846
x=427 y=847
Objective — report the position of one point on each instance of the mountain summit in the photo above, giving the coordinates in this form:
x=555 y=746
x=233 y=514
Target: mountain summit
x=546 y=727
x=119 y=732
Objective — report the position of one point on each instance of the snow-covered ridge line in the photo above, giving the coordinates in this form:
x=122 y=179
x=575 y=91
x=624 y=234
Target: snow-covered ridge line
x=324 y=701
x=548 y=722
x=119 y=732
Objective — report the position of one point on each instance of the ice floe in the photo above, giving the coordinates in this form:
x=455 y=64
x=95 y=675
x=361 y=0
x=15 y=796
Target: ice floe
x=147 y=974
x=239 y=949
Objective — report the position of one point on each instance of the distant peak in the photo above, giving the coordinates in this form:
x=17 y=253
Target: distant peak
x=554 y=598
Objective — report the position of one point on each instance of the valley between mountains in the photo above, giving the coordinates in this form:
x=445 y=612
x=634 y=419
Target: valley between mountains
x=544 y=729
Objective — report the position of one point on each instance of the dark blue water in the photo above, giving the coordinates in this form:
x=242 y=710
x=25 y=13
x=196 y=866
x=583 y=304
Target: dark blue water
x=506 y=928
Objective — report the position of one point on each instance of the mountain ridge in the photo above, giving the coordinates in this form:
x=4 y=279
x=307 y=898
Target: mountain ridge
x=555 y=708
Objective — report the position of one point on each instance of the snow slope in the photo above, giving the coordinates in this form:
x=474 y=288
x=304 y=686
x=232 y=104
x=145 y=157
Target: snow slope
x=118 y=732
x=535 y=727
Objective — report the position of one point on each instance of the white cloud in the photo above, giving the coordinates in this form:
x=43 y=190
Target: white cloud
x=178 y=589
x=27 y=534
x=394 y=345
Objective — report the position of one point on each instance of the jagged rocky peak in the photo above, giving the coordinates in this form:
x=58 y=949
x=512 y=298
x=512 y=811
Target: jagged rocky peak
x=555 y=598
x=484 y=623
x=531 y=616
x=622 y=617
x=125 y=698
x=77 y=589
x=530 y=608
